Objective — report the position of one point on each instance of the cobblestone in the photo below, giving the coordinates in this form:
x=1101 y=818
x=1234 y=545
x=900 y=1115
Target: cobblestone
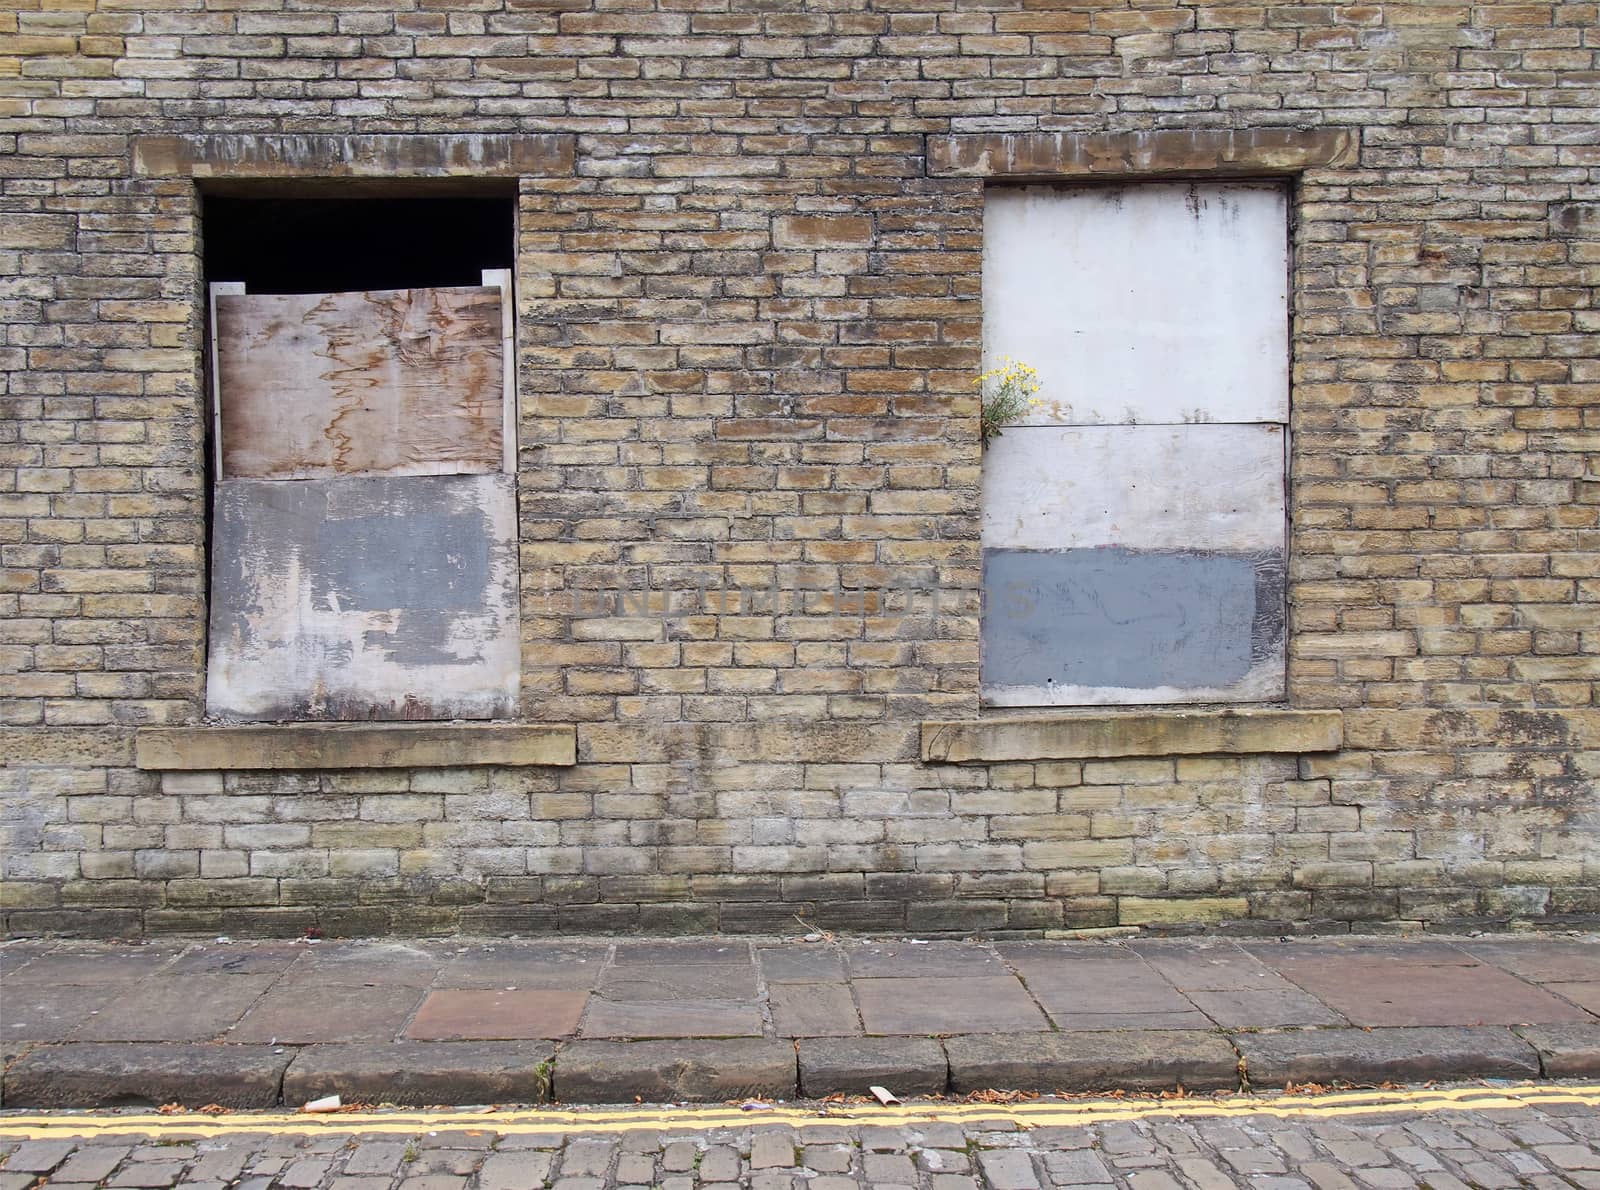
x=1530 y=1146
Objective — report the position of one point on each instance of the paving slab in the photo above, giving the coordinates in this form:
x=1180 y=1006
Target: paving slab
x=848 y=1066
x=367 y=964
x=801 y=963
x=682 y=950
x=1100 y=1022
x=813 y=1010
x=1208 y=966
x=671 y=981
x=975 y=1004
x=1090 y=990
x=672 y=1018
x=1385 y=1055
x=696 y=1070
x=94 y=963
x=258 y=958
x=1429 y=952
x=417 y=1073
x=525 y=965
x=114 y=1075
x=1144 y=1060
x=1243 y=1008
x=486 y=1014
x=43 y=1012
x=1378 y=992
x=1097 y=983
x=867 y=960
x=1565 y=1051
x=1585 y=995
x=1109 y=999
x=1542 y=960
x=176 y=1008
x=14 y=955
x=328 y=1012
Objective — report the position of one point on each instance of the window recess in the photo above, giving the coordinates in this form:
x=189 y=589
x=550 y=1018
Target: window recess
x=1134 y=533
x=364 y=544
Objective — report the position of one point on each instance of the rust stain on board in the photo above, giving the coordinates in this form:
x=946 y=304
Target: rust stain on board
x=393 y=382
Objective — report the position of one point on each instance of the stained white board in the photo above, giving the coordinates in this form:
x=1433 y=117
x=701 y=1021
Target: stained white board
x=368 y=598
x=1144 y=487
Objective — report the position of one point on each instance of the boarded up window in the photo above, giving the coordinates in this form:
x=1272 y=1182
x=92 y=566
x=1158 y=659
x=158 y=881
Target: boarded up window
x=1133 y=523
x=364 y=560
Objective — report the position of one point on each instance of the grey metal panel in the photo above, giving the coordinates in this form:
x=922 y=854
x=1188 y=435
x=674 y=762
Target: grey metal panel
x=1117 y=625
x=369 y=598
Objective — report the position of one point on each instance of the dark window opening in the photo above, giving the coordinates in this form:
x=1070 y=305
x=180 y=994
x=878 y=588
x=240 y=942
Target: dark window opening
x=319 y=245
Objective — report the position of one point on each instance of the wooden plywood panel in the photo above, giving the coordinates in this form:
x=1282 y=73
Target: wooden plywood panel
x=366 y=598
x=1133 y=564
x=395 y=382
x=1145 y=487
x=1150 y=303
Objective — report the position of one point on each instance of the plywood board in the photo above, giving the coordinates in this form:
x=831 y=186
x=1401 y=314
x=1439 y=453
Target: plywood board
x=1217 y=487
x=394 y=382
x=366 y=598
x=1151 y=303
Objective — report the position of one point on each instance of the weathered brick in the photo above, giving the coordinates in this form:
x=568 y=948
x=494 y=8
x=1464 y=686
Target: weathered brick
x=751 y=300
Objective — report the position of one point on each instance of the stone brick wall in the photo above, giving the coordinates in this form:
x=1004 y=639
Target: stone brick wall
x=749 y=321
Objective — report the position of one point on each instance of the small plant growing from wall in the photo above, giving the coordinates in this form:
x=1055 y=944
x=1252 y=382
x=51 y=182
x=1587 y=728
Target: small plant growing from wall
x=1007 y=392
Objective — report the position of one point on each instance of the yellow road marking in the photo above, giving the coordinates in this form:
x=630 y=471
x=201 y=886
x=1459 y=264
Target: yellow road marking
x=1033 y=1114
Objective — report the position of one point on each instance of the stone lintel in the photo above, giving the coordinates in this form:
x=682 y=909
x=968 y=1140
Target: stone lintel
x=1132 y=733
x=355 y=746
x=317 y=155
x=1168 y=152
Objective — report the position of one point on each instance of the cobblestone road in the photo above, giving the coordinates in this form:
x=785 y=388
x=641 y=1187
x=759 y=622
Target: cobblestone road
x=1540 y=1136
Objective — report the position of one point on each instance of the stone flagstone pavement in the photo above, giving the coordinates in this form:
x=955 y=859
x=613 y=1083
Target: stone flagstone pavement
x=471 y=1020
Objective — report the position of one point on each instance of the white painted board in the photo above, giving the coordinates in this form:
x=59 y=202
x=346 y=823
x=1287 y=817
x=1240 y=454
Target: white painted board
x=1161 y=302
x=1218 y=487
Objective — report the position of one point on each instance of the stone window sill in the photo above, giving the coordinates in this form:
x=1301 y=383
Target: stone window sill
x=1094 y=735
x=356 y=746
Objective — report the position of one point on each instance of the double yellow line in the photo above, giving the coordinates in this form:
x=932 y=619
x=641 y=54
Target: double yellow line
x=1029 y=1114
